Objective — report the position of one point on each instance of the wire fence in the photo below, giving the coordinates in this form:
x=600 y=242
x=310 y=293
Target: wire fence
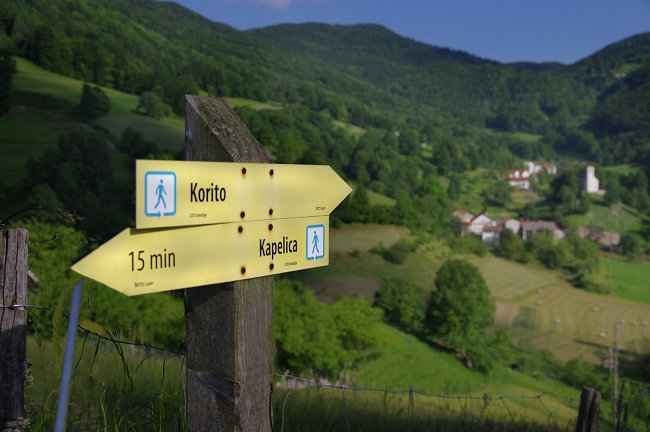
x=292 y=382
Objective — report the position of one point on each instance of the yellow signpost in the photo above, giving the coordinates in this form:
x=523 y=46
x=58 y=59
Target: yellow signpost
x=177 y=193
x=144 y=261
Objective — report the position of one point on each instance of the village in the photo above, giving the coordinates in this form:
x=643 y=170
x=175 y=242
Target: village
x=490 y=229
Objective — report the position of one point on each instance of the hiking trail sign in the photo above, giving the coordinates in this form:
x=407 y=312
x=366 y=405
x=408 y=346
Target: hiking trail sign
x=177 y=193
x=145 y=261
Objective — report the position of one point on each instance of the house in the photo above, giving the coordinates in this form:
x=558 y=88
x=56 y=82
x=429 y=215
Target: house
x=519 y=178
x=590 y=183
x=477 y=224
x=606 y=239
x=550 y=169
x=464 y=216
x=512 y=224
x=491 y=233
x=528 y=228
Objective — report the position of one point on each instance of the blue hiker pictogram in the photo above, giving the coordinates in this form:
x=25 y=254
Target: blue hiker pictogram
x=159 y=193
x=315 y=242
x=160 y=190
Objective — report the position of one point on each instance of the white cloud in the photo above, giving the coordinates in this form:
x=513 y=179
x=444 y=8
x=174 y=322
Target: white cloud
x=277 y=4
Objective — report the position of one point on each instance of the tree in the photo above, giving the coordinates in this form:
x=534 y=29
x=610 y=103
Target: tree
x=153 y=105
x=7 y=72
x=499 y=193
x=631 y=245
x=402 y=303
x=94 y=103
x=454 y=190
x=511 y=246
x=460 y=303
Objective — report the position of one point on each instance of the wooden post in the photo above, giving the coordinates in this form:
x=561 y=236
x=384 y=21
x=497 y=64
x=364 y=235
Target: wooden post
x=589 y=410
x=13 y=323
x=229 y=342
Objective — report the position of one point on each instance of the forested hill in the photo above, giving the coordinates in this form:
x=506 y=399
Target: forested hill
x=361 y=74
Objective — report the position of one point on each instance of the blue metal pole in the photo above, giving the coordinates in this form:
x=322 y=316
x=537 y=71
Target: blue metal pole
x=66 y=375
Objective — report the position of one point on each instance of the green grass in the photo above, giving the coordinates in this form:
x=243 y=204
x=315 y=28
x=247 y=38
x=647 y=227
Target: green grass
x=628 y=280
x=102 y=396
x=166 y=135
x=256 y=105
x=354 y=270
x=41 y=114
x=26 y=132
x=525 y=137
x=624 y=169
x=356 y=131
x=404 y=361
x=618 y=217
x=32 y=79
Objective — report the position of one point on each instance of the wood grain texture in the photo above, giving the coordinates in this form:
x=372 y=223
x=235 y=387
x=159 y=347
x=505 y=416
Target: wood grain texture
x=229 y=342
x=13 y=323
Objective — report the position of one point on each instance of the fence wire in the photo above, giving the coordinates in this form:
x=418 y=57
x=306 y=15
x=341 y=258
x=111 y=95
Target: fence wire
x=501 y=399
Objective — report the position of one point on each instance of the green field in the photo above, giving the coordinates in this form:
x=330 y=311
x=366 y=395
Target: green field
x=24 y=133
x=353 y=129
x=567 y=321
x=29 y=128
x=628 y=280
x=256 y=105
x=618 y=217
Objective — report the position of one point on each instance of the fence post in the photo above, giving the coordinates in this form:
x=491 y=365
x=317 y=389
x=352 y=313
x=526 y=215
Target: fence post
x=229 y=343
x=589 y=410
x=13 y=323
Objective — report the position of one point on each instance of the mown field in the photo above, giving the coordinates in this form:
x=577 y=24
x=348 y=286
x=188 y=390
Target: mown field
x=537 y=304
x=544 y=309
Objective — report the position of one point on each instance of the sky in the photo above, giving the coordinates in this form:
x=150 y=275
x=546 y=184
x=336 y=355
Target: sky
x=502 y=30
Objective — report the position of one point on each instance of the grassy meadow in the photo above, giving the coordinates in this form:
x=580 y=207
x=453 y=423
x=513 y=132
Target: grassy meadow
x=628 y=280
x=547 y=311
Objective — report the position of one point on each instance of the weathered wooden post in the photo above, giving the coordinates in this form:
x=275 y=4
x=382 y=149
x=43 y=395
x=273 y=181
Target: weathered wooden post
x=589 y=410
x=229 y=341
x=13 y=323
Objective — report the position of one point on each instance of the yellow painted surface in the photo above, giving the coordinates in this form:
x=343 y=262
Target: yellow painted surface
x=144 y=261
x=199 y=193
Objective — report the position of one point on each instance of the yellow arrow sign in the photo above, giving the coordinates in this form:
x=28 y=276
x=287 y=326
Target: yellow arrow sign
x=175 y=193
x=138 y=262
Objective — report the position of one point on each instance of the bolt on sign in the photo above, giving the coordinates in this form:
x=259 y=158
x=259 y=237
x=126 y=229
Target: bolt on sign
x=255 y=220
x=177 y=193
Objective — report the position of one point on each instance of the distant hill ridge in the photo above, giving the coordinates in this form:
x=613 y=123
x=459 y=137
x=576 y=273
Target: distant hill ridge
x=363 y=74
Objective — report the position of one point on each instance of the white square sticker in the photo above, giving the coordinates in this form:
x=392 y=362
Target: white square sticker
x=315 y=242
x=159 y=193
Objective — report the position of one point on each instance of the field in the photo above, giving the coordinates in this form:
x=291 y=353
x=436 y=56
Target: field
x=474 y=185
x=618 y=217
x=538 y=305
x=628 y=280
x=41 y=114
x=355 y=270
x=439 y=401
x=256 y=105
x=545 y=310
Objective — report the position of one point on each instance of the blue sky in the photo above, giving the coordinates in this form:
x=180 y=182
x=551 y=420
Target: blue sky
x=503 y=30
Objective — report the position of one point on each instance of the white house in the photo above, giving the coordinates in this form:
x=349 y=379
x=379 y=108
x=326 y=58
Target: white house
x=464 y=216
x=491 y=233
x=477 y=224
x=512 y=224
x=590 y=183
x=528 y=228
x=519 y=178
x=550 y=169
